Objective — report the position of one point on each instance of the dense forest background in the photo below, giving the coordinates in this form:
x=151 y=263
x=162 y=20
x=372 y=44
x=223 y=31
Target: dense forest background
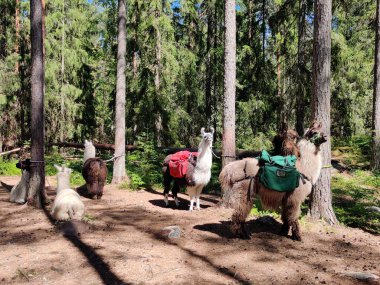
x=175 y=69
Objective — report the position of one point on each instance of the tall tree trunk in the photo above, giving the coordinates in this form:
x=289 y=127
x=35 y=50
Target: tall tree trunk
x=320 y=204
x=17 y=40
x=62 y=133
x=119 y=173
x=209 y=73
x=157 y=84
x=228 y=143
x=376 y=97
x=300 y=97
x=37 y=173
x=263 y=29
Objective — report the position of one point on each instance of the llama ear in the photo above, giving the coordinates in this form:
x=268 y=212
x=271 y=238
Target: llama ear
x=212 y=130
x=59 y=168
x=203 y=131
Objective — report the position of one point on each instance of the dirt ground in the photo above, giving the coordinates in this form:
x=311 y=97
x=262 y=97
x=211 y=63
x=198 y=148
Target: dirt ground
x=123 y=242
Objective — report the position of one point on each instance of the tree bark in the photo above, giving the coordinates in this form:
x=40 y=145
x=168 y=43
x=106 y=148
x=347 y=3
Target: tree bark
x=376 y=97
x=62 y=124
x=17 y=40
x=37 y=174
x=228 y=143
x=157 y=84
x=119 y=173
x=301 y=75
x=209 y=73
x=321 y=204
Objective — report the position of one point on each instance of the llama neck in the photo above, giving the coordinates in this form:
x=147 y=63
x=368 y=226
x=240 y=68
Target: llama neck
x=204 y=159
x=310 y=162
x=63 y=182
x=89 y=152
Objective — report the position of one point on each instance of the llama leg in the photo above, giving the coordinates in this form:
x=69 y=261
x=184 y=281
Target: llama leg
x=192 y=200
x=175 y=191
x=242 y=209
x=167 y=182
x=199 y=190
x=166 y=199
x=296 y=235
x=291 y=210
x=198 y=203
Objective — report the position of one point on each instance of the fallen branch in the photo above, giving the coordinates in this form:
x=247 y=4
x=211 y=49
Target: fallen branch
x=14 y=150
x=97 y=145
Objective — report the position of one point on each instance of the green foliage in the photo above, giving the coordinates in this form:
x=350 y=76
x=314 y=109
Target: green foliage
x=8 y=167
x=354 y=152
x=352 y=195
x=144 y=167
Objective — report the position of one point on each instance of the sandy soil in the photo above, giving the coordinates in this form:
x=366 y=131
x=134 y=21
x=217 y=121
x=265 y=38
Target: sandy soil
x=123 y=242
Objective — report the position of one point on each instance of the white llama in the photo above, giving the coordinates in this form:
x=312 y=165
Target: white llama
x=67 y=203
x=197 y=176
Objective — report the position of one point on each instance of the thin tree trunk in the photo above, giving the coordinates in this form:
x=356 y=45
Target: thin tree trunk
x=321 y=204
x=250 y=22
x=17 y=40
x=37 y=173
x=228 y=143
x=119 y=173
x=157 y=84
x=61 y=133
x=209 y=73
x=263 y=29
x=376 y=97
x=300 y=97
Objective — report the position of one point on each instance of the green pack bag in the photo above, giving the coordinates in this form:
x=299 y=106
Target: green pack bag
x=278 y=173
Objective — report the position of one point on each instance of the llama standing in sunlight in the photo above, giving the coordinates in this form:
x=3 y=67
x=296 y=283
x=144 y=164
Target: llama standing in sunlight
x=94 y=172
x=239 y=177
x=198 y=172
x=67 y=203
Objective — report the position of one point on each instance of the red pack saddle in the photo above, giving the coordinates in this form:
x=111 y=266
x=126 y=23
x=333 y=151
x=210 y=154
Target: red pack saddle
x=179 y=163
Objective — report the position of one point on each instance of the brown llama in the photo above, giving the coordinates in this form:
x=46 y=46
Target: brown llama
x=94 y=172
x=239 y=179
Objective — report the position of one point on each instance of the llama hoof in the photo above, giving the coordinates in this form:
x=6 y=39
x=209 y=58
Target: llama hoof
x=245 y=236
x=198 y=209
x=284 y=231
x=296 y=237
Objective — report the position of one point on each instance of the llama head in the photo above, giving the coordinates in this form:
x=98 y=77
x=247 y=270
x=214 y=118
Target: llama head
x=63 y=169
x=63 y=177
x=87 y=143
x=315 y=134
x=207 y=137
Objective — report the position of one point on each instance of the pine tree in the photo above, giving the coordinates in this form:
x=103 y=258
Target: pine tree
x=37 y=173
x=376 y=97
x=228 y=144
x=119 y=173
x=321 y=205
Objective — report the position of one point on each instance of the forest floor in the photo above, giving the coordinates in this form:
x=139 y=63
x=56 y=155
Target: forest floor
x=123 y=242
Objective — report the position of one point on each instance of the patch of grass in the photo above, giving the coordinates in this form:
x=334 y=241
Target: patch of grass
x=354 y=152
x=8 y=167
x=352 y=195
x=259 y=211
x=88 y=218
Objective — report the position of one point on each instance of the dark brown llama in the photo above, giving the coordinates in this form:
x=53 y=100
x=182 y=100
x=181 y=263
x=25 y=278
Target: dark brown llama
x=94 y=172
